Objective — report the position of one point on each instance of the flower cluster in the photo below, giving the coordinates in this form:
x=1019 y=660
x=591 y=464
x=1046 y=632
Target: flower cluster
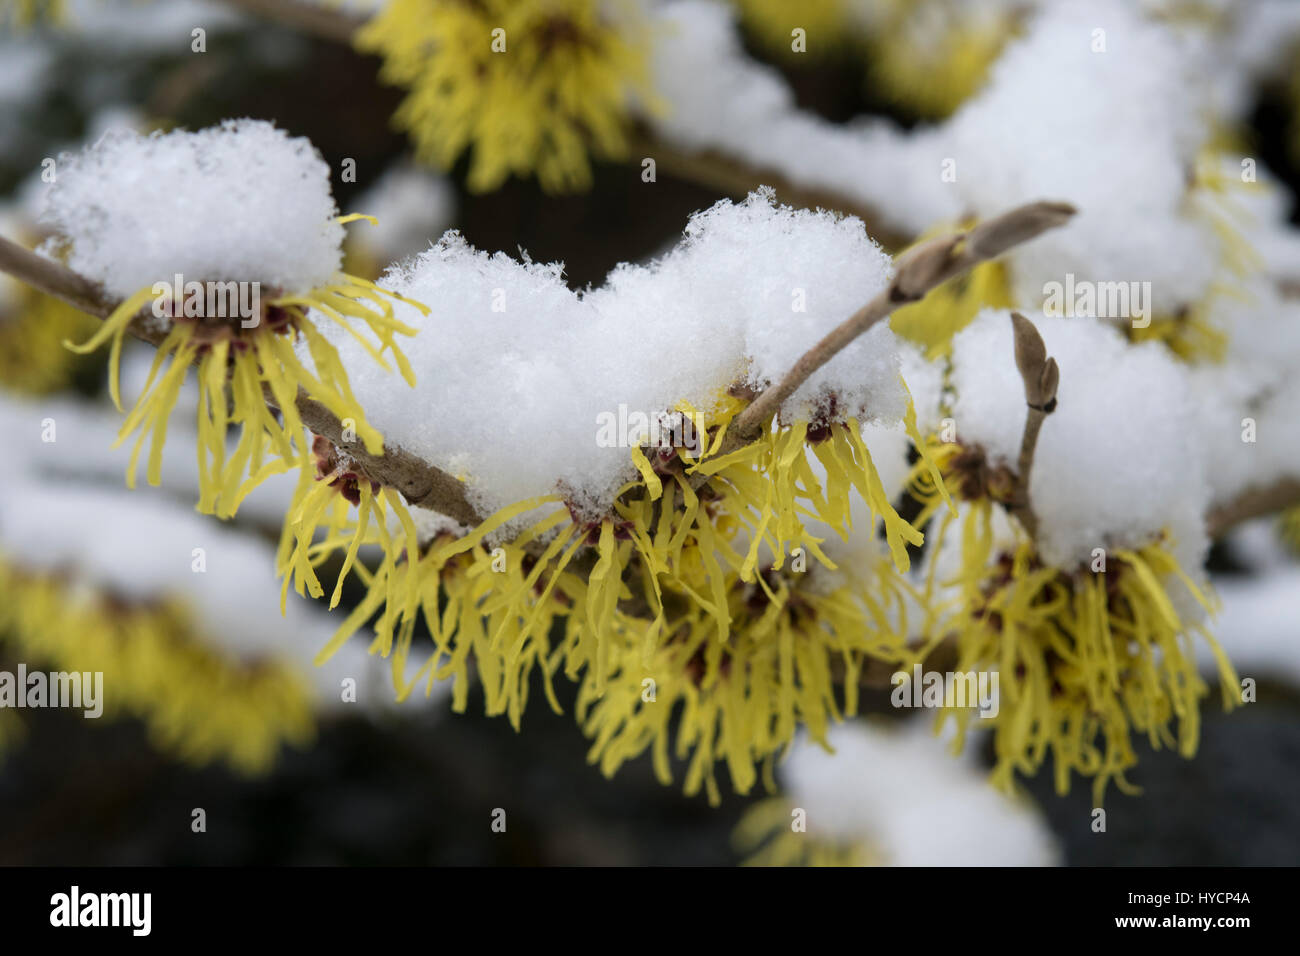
x=1087 y=655
x=696 y=586
x=198 y=703
x=926 y=57
x=276 y=353
x=530 y=87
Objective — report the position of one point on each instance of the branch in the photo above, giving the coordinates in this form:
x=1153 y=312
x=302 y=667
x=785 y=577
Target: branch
x=1041 y=376
x=707 y=168
x=48 y=276
x=918 y=272
x=737 y=179
x=419 y=482
x=1254 y=503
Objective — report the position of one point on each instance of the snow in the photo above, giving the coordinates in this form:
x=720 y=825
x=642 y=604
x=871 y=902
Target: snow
x=1112 y=132
x=716 y=98
x=903 y=793
x=241 y=201
x=83 y=450
x=139 y=546
x=1256 y=625
x=1117 y=461
x=514 y=370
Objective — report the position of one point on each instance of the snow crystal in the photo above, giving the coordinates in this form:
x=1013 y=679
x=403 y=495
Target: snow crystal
x=242 y=201
x=1118 y=460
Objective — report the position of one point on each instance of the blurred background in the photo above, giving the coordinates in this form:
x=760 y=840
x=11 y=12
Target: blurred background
x=414 y=783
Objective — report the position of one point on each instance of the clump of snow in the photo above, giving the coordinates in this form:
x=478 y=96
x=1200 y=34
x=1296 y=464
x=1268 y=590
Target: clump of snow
x=1250 y=431
x=515 y=372
x=717 y=98
x=241 y=201
x=1112 y=130
x=1247 y=404
x=901 y=792
x=1119 y=460
x=142 y=547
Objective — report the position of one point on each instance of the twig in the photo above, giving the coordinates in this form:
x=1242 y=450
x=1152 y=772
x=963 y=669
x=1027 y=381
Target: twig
x=737 y=179
x=1041 y=376
x=419 y=482
x=917 y=273
x=52 y=278
x=707 y=168
x=1254 y=503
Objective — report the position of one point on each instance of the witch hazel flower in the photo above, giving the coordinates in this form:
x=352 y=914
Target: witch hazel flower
x=525 y=87
x=1090 y=604
x=229 y=240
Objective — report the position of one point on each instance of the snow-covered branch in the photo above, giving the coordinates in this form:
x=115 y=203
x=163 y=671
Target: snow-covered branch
x=917 y=273
x=419 y=482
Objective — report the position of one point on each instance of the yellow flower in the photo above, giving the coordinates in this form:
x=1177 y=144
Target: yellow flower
x=531 y=86
x=927 y=56
x=773 y=23
x=792 y=654
x=1214 y=197
x=198 y=703
x=1085 y=656
x=1192 y=336
x=693 y=581
x=765 y=833
x=931 y=56
x=238 y=367
x=932 y=322
x=327 y=488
